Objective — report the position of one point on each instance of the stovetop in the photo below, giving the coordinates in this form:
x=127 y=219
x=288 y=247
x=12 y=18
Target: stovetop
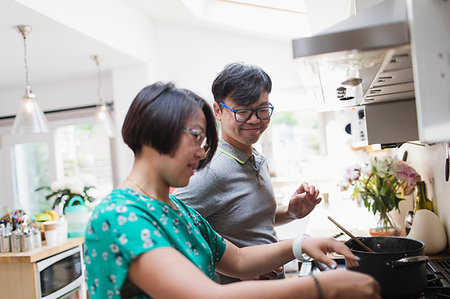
x=438 y=278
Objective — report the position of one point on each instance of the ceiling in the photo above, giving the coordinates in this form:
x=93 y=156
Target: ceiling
x=59 y=53
x=55 y=52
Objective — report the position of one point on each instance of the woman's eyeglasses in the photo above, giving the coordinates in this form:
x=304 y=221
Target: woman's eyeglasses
x=242 y=115
x=200 y=137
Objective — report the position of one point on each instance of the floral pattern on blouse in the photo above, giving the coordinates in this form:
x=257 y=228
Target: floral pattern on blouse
x=126 y=224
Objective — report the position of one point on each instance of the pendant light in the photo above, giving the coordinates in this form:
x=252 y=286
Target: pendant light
x=103 y=118
x=30 y=118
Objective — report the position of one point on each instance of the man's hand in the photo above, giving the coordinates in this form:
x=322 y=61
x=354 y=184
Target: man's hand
x=303 y=201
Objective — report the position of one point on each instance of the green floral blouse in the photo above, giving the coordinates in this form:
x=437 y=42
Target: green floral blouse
x=126 y=224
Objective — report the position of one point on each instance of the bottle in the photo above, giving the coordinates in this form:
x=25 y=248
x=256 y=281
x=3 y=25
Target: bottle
x=62 y=225
x=422 y=202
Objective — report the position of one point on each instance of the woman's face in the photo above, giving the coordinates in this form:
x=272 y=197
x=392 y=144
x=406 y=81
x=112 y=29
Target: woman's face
x=189 y=153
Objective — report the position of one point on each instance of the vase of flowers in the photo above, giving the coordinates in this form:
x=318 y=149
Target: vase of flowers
x=62 y=190
x=381 y=184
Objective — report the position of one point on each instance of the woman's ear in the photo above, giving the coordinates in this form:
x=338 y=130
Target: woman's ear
x=217 y=111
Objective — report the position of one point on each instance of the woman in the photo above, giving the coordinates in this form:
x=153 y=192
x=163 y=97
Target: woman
x=141 y=241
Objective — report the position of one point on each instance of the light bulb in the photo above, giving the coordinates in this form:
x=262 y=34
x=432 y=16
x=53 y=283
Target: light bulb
x=29 y=106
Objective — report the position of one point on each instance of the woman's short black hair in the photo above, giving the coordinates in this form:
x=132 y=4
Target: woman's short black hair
x=242 y=82
x=157 y=116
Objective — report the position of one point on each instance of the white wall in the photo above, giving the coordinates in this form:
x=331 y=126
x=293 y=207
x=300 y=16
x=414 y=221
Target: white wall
x=193 y=56
x=115 y=23
x=60 y=95
x=127 y=82
x=429 y=161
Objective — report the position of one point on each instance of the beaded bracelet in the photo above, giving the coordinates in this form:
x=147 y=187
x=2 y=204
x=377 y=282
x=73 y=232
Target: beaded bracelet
x=297 y=248
x=318 y=287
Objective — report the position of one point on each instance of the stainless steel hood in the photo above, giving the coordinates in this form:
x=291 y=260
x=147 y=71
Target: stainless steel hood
x=393 y=51
x=363 y=59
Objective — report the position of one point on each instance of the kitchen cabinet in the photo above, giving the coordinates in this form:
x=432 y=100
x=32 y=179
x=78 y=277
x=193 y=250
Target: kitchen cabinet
x=20 y=276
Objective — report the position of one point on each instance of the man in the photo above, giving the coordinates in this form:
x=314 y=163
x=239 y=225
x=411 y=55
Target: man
x=234 y=192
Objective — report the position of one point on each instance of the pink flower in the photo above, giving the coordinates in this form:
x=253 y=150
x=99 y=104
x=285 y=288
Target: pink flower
x=354 y=175
x=405 y=173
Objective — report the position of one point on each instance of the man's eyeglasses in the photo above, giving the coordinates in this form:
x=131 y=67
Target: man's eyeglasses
x=242 y=115
x=199 y=137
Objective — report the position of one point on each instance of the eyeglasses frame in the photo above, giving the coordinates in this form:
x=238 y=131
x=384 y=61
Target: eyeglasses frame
x=200 y=137
x=255 y=111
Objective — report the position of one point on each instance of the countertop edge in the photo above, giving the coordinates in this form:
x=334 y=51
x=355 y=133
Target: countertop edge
x=39 y=253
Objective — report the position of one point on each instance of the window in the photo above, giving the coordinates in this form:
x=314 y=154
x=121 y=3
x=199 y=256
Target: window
x=310 y=146
x=85 y=152
x=27 y=165
x=73 y=148
x=296 y=141
x=31 y=170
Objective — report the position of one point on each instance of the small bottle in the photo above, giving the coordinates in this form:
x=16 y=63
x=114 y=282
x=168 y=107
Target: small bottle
x=422 y=201
x=62 y=226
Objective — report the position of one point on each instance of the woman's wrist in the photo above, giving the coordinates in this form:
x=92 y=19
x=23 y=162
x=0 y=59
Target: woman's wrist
x=297 y=249
x=318 y=287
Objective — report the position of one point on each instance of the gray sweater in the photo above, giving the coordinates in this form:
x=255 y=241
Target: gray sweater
x=234 y=193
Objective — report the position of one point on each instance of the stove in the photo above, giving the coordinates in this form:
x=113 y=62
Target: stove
x=438 y=277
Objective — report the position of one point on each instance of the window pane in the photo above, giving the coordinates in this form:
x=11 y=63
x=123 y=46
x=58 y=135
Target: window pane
x=31 y=170
x=296 y=140
x=83 y=152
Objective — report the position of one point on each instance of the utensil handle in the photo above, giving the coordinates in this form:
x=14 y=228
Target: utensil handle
x=406 y=261
x=447 y=165
x=321 y=266
x=351 y=236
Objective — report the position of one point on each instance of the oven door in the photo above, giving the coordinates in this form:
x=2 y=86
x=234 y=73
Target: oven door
x=60 y=274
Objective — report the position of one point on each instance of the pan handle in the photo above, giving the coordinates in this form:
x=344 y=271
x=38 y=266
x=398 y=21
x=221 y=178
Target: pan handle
x=407 y=261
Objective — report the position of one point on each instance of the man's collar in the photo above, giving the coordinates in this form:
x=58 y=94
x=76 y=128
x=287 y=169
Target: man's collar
x=231 y=151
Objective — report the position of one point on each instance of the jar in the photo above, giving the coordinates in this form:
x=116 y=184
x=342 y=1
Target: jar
x=77 y=217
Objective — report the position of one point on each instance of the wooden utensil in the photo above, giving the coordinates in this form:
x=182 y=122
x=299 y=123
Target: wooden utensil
x=351 y=236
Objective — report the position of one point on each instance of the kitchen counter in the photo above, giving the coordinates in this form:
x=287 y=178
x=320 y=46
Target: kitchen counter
x=19 y=272
x=37 y=254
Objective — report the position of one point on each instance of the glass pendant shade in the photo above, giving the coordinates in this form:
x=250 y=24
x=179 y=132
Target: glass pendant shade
x=30 y=118
x=103 y=121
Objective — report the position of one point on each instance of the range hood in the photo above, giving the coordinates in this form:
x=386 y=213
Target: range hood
x=364 y=59
x=395 y=50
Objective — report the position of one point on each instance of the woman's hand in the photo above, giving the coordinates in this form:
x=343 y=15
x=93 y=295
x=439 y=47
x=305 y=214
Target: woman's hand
x=348 y=285
x=317 y=249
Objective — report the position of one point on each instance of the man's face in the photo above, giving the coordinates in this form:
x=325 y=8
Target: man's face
x=241 y=135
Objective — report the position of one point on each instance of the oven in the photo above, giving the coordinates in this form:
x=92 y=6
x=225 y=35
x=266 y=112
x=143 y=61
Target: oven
x=438 y=277
x=61 y=274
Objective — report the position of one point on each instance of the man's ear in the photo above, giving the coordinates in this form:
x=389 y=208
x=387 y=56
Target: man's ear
x=217 y=111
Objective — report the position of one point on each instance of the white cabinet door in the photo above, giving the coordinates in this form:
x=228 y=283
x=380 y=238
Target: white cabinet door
x=430 y=48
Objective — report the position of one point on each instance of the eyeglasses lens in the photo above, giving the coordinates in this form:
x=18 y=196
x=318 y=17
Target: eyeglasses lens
x=261 y=113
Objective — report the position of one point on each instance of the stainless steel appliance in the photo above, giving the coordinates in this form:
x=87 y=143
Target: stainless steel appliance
x=395 y=51
x=61 y=274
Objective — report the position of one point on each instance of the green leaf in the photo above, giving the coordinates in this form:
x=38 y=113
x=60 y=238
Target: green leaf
x=43 y=188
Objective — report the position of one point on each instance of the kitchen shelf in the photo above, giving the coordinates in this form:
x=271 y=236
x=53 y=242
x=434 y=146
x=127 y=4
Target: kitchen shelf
x=37 y=254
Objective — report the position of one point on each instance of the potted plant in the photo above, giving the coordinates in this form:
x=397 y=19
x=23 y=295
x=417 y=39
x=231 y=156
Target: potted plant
x=381 y=184
x=62 y=190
